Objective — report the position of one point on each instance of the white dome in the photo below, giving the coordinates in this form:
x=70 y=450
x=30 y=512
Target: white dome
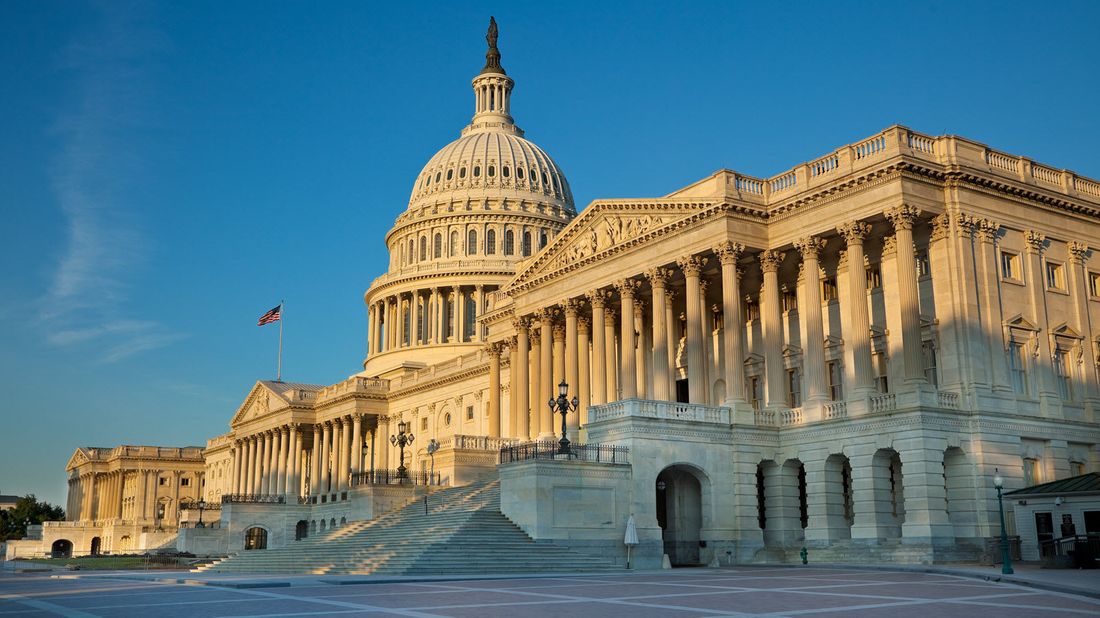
x=488 y=161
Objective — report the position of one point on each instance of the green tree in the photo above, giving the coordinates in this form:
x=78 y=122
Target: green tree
x=28 y=511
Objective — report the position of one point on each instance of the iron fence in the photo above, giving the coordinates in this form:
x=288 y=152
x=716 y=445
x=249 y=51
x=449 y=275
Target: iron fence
x=394 y=477
x=253 y=499
x=598 y=453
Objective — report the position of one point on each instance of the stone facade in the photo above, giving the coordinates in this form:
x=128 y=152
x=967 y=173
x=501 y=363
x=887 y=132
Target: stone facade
x=835 y=357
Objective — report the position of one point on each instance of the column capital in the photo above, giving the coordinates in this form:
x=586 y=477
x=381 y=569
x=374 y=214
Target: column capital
x=1078 y=251
x=626 y=287
x=853 y=232
x=559 y=332
x=493 y=349
x=1035 y=241
x=988 y=230
x=597 y=298
x=941 y=227
x=571 y=306
x=729 y=252
x=534 y=337
x=609 y=316
x=583 y=323
x=692 y=264
x=479 y=287
x=658 y=277
x=770 y=260
x=903 y=216
x=810 y=247
x=520 y=324
x=543 y=314
x=889 y=245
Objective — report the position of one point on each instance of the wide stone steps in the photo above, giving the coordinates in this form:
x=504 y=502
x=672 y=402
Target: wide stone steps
x=462 y=532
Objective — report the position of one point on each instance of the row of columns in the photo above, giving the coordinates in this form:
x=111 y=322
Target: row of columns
x=276 y=462
x=442 y=310
x=542 y=354
x=98 y=496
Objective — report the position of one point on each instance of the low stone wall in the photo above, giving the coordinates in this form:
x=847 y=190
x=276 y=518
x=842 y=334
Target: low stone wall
x=203 y=541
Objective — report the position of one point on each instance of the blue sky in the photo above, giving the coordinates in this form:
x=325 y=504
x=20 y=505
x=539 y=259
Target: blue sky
x=170 y=171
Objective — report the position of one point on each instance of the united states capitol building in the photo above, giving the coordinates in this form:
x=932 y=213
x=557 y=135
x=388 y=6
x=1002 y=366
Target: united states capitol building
x=837 y=357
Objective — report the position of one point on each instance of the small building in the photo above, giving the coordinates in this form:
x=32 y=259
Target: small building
x=8 y=503
x=1056 y=510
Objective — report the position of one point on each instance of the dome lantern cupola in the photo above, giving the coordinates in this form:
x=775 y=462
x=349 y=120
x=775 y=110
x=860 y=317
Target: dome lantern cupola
x=492 y=91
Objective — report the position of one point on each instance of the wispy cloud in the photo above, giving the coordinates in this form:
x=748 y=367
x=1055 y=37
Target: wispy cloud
x=93 y=177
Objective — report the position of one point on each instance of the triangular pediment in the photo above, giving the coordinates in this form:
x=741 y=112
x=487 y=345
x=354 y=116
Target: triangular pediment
x=604 y=228
x=1019 y=321
x=78 y=458
x=753 y=359
x=258 y=403
x=1065 y=330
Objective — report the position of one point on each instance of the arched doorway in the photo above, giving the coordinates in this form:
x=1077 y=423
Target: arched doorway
x=96 y=543
x=255 y=538
x=61 y=548
x=301 y=530
x=680 y=514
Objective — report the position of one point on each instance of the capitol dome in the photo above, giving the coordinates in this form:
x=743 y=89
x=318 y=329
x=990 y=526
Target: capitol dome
x=482 y=204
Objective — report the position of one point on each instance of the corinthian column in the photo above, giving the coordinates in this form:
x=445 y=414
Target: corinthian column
x=546 y=371
x=733 y=326
x=813 y=358
x=628 y=379
x=599 y=384
x=519 y=390
x=692 y=266
x=860 y=337
x=535 y=390
x=326 y=440
x=572 y=372
x=610 y=363
x=658 y=280
x=280 y=464
x=493 y=350
x=584 y=372
x=904 y=217
x=773 y=327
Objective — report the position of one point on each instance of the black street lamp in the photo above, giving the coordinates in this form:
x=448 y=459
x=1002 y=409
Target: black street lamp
x=201 y=506
x=401 y=440
x=1006 y=559
x=563 y=406
x=363 y=460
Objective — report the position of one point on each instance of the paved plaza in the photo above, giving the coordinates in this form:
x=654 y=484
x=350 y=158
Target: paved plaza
x=738 y=591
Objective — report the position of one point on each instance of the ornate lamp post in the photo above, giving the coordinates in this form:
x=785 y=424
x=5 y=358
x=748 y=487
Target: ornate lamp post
x=401 y=440
x=1006 y=559
x=563 y=406
x=201 y=506
x=433 y=446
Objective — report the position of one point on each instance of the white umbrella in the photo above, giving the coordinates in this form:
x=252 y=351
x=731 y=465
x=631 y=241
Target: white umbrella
x=631 y=538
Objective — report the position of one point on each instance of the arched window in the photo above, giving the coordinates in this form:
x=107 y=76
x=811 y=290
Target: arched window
x=454 y=243
x=437 y=176
x=406 y=322
x=491 y=242
x=412 y=251
x=509 y=242
x=492 y=171
x=462 y=172
x=505 y=171
x=544 y=181
x=255 y=538
x=450 y=174
x=471 y=242
x=402 y=252
x=437 y=249
x=526 y=244
x=423 y=247
x=477 y=171
x=543 y=238
x=519 y=173
x=471 y=316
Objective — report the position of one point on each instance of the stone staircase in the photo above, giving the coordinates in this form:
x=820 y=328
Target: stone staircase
x=463 y=532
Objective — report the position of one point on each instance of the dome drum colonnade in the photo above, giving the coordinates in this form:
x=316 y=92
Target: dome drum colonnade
x=642 y=357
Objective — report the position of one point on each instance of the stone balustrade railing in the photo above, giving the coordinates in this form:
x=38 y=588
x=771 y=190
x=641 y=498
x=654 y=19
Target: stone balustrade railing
x=949 y=400
x=765 y=418
x=792 y=416
x=898 y=140
x=835 y=409
x=354 y=385
x=475 y=443
x=665 y=410
x=884 y=403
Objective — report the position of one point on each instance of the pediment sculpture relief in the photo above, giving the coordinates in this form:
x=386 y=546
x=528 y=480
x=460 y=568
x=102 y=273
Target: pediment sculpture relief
x=259 y=406
x=606 y=233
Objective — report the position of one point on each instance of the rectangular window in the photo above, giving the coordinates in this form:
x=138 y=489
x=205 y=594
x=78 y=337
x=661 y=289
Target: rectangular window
x=469 y=413
x=424 y=423
x=794 y=388
x=1031 y=472
x=1094 y=284
x=753 y=390
x=1056 y=276
x=828 y=289
x=1017 y=367
x=874 y=278
x=928 y=352
x=1010 y=265
x=882 y=380
x=1062 y=374
x=1076 y=468
x=162 y=481
x=752 y=310
x=185 y=482
x=836 y=387
x=790 y=301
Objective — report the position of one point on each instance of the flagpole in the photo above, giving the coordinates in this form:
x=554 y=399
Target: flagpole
x=279 y=369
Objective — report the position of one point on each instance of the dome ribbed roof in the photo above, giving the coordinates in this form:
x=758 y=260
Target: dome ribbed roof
x=487 y=161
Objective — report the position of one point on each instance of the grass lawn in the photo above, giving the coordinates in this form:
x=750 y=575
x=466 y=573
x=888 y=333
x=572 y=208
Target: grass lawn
x=114 y=562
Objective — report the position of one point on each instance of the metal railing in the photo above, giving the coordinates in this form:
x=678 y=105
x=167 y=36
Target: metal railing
x=253 y=499
x=393 y=477
x=1083 y=551
x=599 y=453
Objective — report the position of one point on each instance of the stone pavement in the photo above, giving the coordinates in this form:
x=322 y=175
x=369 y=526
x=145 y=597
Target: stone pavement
x=732 y=591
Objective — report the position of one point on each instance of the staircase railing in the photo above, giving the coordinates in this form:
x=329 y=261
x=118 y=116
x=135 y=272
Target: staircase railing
x=253 y=499
x=599 y=453
x=394 y=477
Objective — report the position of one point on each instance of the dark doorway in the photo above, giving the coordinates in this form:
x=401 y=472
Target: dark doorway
x=96 y=542
x=682 y=391
x=61 y=548
x=1044 y=531
x=255 y=538
x=1092 y=523
x=301 y=530
x=680 y=515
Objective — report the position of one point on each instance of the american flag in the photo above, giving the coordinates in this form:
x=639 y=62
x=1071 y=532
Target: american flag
x=270 y=316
